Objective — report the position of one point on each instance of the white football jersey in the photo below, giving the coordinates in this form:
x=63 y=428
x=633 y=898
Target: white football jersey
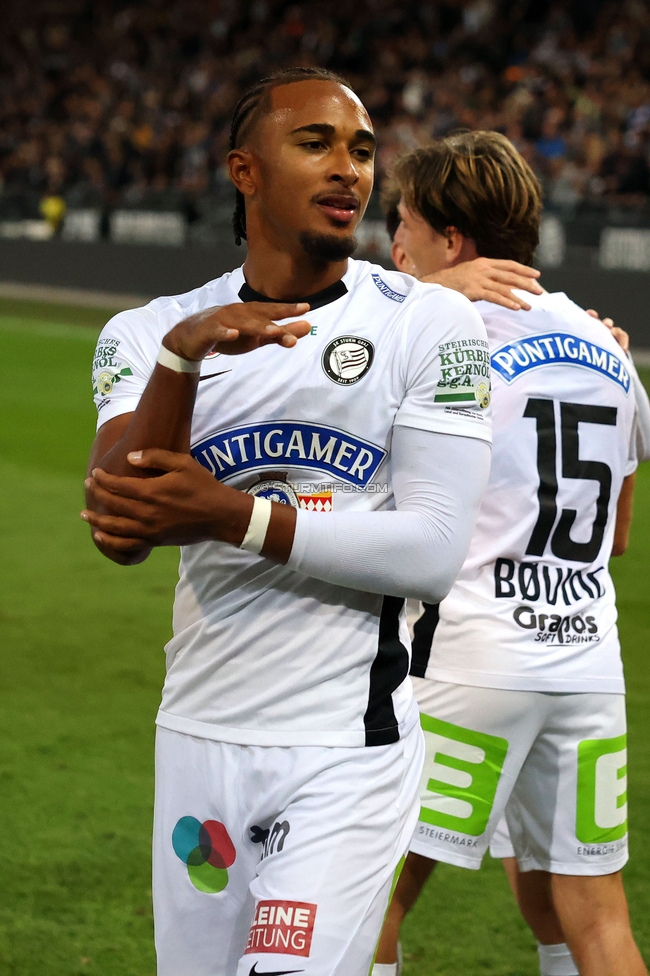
x=534 y=605
x=262 y=654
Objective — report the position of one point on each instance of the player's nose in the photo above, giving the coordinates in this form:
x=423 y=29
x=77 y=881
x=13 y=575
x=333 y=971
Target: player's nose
x=343 y=169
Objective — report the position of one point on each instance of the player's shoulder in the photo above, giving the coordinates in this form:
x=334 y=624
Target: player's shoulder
x=550 y=312
x=403 y=289
x=220 y=291
x=372 y=283
x=555 y=332
x=428 y=309
x=158 y=316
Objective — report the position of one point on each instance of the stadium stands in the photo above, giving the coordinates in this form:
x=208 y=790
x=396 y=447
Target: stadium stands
x=110 y=105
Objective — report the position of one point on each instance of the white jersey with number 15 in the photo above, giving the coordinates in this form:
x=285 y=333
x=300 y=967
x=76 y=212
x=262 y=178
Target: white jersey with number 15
x=534 y=606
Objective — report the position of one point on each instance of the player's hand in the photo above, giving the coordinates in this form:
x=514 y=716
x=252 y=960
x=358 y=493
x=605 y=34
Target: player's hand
x=491 y=280
x=620 y=335
x=239 y=328
x=183 y=505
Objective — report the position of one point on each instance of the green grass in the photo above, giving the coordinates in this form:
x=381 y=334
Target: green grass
x=82 y=666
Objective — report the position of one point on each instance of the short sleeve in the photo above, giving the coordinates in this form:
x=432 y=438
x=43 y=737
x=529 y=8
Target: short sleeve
x=447 y=367
x=124 y=359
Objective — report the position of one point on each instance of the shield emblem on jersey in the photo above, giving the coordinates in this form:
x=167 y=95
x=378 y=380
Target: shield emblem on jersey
x=347 y=359
x=275 y=491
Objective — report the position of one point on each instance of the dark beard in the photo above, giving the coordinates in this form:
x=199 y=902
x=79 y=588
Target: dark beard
x=326 y=248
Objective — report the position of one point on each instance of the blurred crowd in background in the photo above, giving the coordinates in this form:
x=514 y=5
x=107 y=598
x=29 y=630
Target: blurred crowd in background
x=109 y=103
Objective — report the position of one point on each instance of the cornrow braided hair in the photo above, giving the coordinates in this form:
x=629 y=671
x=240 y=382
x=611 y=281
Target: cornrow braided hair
x=248 y=108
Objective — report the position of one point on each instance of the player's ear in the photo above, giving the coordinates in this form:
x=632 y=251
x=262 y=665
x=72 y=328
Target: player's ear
x=401 y=261
x=243 y=171
x=455 y=241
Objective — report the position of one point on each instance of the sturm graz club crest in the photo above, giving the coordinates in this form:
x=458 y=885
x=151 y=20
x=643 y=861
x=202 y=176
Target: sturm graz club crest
x=347 y=359
x=276 y=491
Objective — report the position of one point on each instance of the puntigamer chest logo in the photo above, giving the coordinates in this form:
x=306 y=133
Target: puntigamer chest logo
x=289 y=444
x=107 y=367
x=347 y=359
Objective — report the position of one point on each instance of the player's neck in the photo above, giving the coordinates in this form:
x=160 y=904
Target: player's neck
x=286 y=276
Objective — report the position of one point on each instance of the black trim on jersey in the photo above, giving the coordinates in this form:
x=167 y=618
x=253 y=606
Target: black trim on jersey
x=423 y=631
x=388 y=670
x=317 y=300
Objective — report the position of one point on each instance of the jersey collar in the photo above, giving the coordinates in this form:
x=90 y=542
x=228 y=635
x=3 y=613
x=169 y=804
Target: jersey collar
x=317 y=300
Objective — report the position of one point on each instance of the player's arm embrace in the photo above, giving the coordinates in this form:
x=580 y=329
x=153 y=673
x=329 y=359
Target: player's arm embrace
x=490 y=280
x=143 y=488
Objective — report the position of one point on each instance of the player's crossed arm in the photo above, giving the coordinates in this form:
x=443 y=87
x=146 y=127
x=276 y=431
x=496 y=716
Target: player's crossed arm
x=181 y=505
x=133 y=496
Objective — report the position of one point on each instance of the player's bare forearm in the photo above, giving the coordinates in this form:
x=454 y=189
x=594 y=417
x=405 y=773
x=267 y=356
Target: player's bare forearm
x=185 y=504
x=163 y=417
x=163 y=421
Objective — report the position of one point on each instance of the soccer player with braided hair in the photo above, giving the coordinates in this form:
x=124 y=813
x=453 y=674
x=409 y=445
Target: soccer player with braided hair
x=484 y=278
x=292 y=426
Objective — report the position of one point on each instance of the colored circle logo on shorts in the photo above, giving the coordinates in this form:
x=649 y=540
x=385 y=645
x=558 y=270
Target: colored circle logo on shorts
x=207 y=850
x=347 y=359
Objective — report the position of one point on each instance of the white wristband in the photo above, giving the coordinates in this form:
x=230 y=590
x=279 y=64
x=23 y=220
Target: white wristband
x=253 y=541
x=177 y=363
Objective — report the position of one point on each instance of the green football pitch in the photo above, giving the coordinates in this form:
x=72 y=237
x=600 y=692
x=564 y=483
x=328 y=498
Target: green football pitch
x=82 y=667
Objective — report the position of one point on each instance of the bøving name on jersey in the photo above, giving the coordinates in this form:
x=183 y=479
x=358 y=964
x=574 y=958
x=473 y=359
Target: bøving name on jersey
x=291 y=444
x=557 y=348
x=531 y=582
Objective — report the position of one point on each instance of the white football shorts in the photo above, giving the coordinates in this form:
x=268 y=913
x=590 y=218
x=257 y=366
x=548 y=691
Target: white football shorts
x=500 y=843
x=555 y=764
x=271 y=859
